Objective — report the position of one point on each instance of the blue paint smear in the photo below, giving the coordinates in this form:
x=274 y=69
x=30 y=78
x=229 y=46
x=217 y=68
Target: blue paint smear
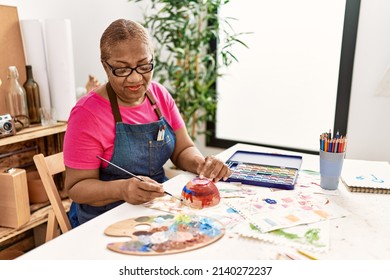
x=136 y=246
x=270 y=201
x=231 y=210
x=188 y=191
x=207 y=227
x=272 y=223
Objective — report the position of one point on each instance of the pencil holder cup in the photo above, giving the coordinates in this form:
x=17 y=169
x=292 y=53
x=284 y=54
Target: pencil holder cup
x=331 y=165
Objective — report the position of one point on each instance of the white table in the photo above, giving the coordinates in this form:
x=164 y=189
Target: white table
x=362 y=235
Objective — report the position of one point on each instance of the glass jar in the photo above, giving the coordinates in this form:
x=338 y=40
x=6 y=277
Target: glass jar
x=16 y=99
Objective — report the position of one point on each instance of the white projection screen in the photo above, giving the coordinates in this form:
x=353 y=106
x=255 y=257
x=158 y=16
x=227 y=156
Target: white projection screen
x=284 y=90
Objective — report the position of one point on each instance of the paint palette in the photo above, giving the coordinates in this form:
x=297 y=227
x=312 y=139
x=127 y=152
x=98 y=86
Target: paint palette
x=164 y=234
x=264 y=170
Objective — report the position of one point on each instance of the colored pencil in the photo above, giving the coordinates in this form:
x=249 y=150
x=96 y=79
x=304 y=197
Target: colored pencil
x=306 y=255
x=337 y=144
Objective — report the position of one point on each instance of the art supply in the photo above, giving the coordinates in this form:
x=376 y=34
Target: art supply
x=310 y=237
x=282 y=209
x=265 y=170
x=307 y=255
x=291 y=256
x=337 y=144
x=331 y=165
x=366 y=176
x=331 y=159
x=131 y=174
x=200 y=193
x=164 y=234
x=332 y=153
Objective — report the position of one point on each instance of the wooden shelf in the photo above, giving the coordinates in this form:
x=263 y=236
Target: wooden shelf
x=37 y=218
x=34 y=131
x=18 y=150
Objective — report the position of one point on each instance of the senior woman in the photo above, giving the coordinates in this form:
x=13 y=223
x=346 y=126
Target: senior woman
x=134 y=123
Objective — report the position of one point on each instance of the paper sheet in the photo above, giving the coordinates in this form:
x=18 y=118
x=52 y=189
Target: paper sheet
x=34 y=47
x=312 y=237
x=285 y=209
x=366 y=174
x=58 y=37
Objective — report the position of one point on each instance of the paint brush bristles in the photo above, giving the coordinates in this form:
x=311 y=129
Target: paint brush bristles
x=131 y=174
x=173 y=196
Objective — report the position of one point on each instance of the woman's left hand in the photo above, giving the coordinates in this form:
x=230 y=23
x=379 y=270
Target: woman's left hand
x=214 y=169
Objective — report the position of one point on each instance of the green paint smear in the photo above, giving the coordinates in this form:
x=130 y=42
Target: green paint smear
x=309 y=171
x=253 y=227
x=312 y=236
x=281 y=232
x=183 y=218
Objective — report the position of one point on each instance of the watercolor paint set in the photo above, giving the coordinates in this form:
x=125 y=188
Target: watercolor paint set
x=264 y=169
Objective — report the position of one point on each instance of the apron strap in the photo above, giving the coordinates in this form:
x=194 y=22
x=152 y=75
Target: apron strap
x=114 y=103
x=154 y=105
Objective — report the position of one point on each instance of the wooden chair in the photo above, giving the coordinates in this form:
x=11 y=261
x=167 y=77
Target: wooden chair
x=47 y=167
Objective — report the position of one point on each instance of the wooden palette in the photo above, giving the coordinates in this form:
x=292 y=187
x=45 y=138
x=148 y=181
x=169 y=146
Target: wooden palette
x=164 y=234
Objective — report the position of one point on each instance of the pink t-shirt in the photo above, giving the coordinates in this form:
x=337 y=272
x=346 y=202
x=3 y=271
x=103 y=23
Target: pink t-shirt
x=91 y=125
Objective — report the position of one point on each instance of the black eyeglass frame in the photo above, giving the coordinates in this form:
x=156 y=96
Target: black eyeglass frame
x=114 y=70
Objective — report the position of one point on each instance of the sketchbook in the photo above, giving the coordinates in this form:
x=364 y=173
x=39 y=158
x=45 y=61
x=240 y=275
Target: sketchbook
x=366 y=176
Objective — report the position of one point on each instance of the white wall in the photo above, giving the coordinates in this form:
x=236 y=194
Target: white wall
x=89 y=18
x=369 y=115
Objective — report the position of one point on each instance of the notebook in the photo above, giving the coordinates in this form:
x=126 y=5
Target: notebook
x=264 y=169
x=366 y=176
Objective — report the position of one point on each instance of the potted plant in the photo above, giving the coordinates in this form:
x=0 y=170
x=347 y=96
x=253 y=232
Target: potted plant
x=193 y=45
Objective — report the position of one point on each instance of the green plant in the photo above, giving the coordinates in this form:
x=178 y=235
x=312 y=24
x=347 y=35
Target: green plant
x=188 y=63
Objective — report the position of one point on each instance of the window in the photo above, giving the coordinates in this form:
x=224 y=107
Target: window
x=294 y=81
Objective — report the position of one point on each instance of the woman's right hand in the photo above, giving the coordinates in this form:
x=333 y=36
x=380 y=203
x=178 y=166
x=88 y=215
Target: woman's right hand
x=137 y=192
x=85 y=187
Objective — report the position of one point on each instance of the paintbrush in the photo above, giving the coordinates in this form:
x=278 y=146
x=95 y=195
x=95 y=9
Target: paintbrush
x=133 y=175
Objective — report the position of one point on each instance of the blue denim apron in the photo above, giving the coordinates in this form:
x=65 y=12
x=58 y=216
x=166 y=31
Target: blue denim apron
x=137 y=149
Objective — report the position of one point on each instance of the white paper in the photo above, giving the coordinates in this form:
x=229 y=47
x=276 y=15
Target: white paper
x=312 y=237
x=60 y=62
x=34 y=48
x=366 y=174
x=284 y=209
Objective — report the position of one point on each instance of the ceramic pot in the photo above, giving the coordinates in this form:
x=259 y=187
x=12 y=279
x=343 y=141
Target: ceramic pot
x=36 y=191
x=200 y=193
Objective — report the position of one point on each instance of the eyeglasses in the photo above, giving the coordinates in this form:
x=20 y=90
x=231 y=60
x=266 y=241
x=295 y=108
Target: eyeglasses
x=127 y=71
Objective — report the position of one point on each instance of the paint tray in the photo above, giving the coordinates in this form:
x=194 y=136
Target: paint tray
x=264 y=169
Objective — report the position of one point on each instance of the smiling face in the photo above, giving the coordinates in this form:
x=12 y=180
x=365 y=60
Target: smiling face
x=130 y=90
x=126 y=44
